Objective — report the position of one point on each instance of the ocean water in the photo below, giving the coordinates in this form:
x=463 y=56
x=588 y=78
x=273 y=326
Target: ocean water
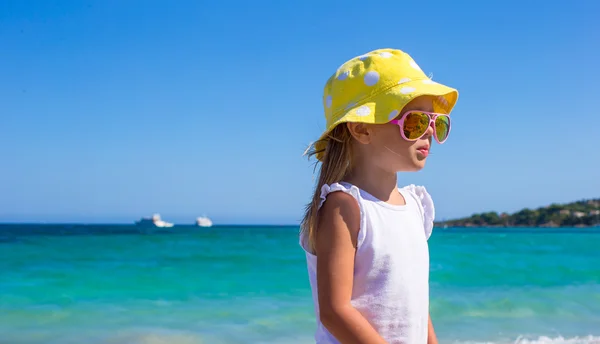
x=113 y=284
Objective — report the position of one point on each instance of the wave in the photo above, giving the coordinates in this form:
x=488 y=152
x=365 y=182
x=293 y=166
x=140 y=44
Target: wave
x=189 y=338
x=560 y=340
x=540 y=340
x=164 y=336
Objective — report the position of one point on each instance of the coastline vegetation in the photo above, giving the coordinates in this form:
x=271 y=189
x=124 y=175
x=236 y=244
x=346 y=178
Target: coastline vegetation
x=585 y=213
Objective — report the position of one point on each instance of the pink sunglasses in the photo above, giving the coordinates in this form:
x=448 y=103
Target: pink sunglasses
x=413 y=125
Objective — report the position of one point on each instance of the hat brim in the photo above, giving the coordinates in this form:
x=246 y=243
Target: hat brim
x=387 y=105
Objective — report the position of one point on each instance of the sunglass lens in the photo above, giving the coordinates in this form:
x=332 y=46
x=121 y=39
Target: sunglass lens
x=415 y=125
x=442 y=127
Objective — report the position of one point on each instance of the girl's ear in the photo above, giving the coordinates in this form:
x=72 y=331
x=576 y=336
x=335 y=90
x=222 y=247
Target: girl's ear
x=360 y=131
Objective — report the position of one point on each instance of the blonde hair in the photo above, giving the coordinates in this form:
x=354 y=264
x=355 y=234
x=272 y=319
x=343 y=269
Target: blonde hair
x=335 y=166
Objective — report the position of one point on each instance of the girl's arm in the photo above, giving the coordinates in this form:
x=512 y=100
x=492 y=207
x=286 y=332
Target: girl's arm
x=431 y=337
x=337 y=232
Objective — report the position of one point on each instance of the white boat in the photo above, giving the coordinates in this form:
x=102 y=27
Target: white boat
x=154 y=221
x=203 y=221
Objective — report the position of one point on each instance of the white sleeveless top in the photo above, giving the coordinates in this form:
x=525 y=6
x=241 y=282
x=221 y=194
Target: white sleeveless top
x=391 y=268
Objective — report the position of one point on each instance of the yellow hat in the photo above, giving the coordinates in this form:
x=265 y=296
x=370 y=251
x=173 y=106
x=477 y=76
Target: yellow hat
x=375 y=87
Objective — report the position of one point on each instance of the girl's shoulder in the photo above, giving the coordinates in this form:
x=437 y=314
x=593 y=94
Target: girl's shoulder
x=425 y=205
x=347 y=188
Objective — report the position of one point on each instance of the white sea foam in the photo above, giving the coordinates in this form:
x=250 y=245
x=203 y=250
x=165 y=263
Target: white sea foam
x=560 y=340
x=541 y=340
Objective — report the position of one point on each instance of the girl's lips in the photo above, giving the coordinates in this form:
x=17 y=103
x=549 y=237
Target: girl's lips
x=424 y=151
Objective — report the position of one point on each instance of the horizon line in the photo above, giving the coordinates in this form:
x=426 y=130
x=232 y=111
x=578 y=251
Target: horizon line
x=50 y=223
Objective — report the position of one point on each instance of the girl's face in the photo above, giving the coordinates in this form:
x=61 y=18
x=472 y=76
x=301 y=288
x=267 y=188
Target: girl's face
x=383 y=145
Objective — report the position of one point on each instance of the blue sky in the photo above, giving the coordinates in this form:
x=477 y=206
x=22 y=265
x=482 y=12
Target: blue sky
x=112 y=110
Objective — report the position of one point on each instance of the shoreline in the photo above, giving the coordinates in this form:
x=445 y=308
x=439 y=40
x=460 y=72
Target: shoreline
x=511 y=226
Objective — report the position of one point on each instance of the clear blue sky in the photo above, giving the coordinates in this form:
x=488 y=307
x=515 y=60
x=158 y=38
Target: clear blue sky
x=112 y=110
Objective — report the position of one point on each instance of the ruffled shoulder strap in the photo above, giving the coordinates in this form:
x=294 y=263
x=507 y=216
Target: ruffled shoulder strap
x=352 y=191
x=426 y=207
x=344 y=187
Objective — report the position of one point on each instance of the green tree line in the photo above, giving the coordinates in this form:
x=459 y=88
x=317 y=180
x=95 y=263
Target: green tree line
x=581 y=213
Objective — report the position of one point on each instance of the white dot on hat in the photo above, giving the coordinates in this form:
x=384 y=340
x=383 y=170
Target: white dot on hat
x=363 y=57
x=371 y=78
x=403 y=80
x=407 y=90
x=328 y=101
x=393 y=114
x=343 y=76
x=415 y=65
x=427 y=81
x=386 y=54
x=363 y=111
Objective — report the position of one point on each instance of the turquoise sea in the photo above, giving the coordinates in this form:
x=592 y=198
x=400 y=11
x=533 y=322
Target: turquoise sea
x=67 y=284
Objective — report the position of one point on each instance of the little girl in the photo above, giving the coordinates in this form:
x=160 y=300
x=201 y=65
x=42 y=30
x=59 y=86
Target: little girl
x=366 y=239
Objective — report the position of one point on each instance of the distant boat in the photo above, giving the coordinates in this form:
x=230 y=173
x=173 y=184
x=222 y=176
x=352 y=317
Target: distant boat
x=153 y=221
x=203 y=221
